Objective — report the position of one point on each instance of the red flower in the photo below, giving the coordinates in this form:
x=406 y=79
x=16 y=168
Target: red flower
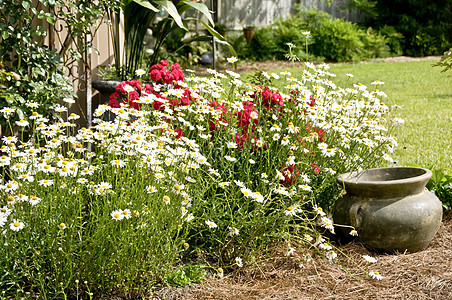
x=179 y=132
x=148 y=88
x=277 y=99
x=266 y=97
x=291 y=174
x=158 y=105
x=113 y=103
x=155 y=75
x=244 y=116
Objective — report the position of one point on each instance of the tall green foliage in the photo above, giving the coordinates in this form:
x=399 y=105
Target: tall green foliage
x=140 y=14
x=41 y=83
x=427 y=26
x=38 y=77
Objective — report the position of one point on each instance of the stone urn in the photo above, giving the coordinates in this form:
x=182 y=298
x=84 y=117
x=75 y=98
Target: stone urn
x=390 y=209
x=105 y=88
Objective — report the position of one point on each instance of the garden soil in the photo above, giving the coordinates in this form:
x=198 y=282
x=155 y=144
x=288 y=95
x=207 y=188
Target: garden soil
x=423 y=275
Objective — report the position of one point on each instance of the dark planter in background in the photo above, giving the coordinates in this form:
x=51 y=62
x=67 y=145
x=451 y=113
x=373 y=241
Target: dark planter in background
x=248 y=32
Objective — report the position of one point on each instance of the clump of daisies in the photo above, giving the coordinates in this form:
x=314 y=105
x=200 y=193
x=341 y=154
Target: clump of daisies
x=185 y=164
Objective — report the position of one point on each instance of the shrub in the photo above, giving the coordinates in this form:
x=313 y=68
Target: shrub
x=441 y=185
x=395 y=39
x=427 y=28
x=445 y=61
x=330 y=39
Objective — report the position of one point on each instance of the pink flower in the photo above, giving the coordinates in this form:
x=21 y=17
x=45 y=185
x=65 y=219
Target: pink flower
x=315 y=169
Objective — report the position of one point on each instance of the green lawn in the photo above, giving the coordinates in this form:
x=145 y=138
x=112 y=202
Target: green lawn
x=425 y=97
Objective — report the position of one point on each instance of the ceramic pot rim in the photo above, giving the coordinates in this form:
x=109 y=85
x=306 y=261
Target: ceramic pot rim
x=353 y=178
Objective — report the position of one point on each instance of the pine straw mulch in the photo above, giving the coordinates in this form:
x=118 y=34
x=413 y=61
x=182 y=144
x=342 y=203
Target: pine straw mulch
x=422 y=275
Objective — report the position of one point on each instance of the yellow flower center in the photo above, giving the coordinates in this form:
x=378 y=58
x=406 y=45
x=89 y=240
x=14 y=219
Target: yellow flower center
x=16 y=224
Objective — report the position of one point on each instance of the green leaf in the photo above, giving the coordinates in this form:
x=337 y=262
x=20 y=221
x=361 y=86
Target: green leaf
x=50 y=20
x=199 y=38
x=146 y=4
x=20 y=114
x=26 y=4
x=219 y=38
x=172 y=11
x=201 y=7
x=5 y=35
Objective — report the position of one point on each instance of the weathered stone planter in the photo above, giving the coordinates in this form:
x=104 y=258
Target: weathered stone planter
x=106 y=88
x=390 y=208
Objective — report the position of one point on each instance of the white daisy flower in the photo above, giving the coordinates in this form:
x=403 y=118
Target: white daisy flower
x=211 y=224
x=370 y=259
x=375 y=275
x=117 y=215
x=16 y=225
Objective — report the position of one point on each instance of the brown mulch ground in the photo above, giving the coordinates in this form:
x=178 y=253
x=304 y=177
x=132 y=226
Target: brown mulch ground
x=422 y=275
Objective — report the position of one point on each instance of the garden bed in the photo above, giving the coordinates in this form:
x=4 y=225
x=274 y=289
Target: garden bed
x=268 y=176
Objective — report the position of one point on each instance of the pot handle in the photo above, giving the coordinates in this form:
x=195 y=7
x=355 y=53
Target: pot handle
x=355 y=215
